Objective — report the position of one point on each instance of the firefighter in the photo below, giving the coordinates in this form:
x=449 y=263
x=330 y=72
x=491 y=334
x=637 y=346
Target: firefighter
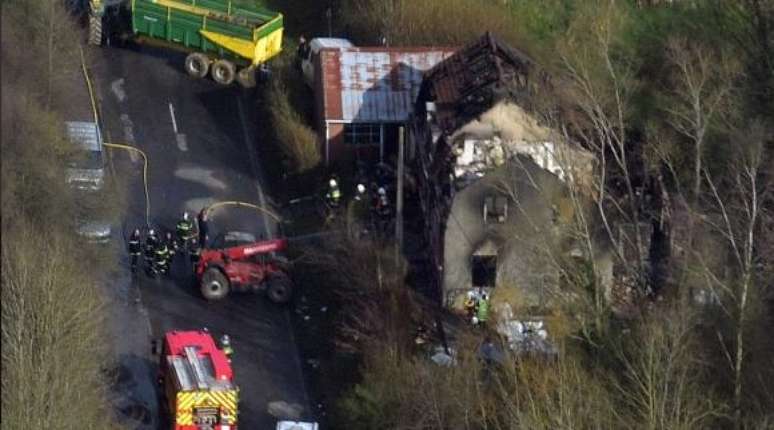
x=333 y=196
x=382 y=203
x=482 y=313
x=151 y=242
x=195 y=253
x=184 y=229
x=360 y=192
x=161 y=259
x=225 y=345
x=470 y=306
x=303 y=51
x=135 y=248
x=172 y=246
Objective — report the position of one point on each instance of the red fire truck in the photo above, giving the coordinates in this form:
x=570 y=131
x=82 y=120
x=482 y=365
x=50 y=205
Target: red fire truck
x=197 y=382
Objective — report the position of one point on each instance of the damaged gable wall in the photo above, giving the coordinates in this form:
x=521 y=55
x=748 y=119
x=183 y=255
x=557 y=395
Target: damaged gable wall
x=506 y=130
x=521 y=243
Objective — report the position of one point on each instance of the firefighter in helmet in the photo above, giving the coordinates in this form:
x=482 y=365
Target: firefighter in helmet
x=172 y=246
x=471 y=305
x=225 y=345
x=161 y=259
x=135 y=248
x=360 y=192
x=184 y=229
x=382 y=202
x=333 y=196
x=151 y=242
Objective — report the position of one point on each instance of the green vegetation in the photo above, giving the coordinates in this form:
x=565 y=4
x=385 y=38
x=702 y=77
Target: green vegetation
x=54 y=348
x=297 y=140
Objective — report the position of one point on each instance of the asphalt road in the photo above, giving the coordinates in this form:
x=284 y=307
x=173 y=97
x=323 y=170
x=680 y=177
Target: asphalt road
x=199 y=138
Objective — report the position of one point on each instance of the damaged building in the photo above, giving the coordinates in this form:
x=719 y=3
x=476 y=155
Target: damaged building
x=492 y=181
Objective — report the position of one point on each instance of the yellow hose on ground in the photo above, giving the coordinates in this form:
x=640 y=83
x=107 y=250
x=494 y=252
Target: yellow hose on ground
x=118 y=145
x=144 y=174
x=266 y=211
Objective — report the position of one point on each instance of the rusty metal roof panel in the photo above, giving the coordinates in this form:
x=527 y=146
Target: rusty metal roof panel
x=375 y=84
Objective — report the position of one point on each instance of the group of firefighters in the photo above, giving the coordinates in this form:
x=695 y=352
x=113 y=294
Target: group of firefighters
x=371 y=198
x=477 y=308
x=159 y=251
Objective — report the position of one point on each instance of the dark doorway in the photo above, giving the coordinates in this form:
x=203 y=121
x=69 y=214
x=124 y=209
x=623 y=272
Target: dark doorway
x=484 y=270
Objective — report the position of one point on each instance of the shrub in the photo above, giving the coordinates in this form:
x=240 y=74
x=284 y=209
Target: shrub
x=297 y=140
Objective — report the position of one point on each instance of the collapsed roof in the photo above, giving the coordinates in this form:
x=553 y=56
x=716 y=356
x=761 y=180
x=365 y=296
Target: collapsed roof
x=466 y=84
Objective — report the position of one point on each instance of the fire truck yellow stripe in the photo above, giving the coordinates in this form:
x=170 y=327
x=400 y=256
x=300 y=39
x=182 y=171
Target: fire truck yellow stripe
x=188 y=400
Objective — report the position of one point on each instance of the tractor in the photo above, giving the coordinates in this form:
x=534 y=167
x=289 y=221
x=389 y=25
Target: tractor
x=236 y=261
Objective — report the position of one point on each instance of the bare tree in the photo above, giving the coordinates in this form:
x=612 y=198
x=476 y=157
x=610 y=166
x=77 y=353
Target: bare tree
x=736 y=205
x=662 y=373
x=703 y=82
x=600 y=82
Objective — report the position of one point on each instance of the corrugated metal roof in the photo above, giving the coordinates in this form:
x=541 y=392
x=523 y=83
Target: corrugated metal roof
x=374 y=84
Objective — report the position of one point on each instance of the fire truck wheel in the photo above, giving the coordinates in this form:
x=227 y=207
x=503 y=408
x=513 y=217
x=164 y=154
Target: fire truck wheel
x=280 y=289
x=214 y=284
x=197 y=65
x=223 y=72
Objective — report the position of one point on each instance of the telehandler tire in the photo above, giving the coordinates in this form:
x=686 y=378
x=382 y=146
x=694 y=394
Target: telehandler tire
x=215 y=285
x=223 y=72
x=197 y=65
x=280 y=289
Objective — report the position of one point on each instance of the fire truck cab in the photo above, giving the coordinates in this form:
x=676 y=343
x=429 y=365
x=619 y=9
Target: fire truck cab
x=197 y=382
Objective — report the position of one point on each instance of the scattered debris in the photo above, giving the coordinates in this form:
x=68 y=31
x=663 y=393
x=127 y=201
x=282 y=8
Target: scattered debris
x=285 y=410
x=441 y=358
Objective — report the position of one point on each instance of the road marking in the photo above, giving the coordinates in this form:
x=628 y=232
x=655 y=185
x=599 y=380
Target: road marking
x=172 y=114
x=128 y=127
x=117 y=87
x=201 y=176
x=182 y=144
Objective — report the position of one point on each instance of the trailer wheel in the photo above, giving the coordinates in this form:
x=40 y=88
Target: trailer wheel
x=197 y=65
x=223 y=72
x=280 y=289
x=214 y=284
x=246 y=77
x=95 y=30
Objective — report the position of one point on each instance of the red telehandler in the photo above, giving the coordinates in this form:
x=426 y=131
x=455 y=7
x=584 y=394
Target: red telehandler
x=242 y=263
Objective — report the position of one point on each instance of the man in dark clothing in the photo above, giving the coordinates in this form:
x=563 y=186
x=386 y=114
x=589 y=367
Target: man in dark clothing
x=135 y=248
x=202 y=221
x=303 y=51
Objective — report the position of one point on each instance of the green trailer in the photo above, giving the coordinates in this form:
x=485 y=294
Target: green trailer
x=226 y=40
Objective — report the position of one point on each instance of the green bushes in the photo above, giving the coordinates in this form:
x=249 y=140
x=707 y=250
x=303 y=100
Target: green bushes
x=297 y=140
